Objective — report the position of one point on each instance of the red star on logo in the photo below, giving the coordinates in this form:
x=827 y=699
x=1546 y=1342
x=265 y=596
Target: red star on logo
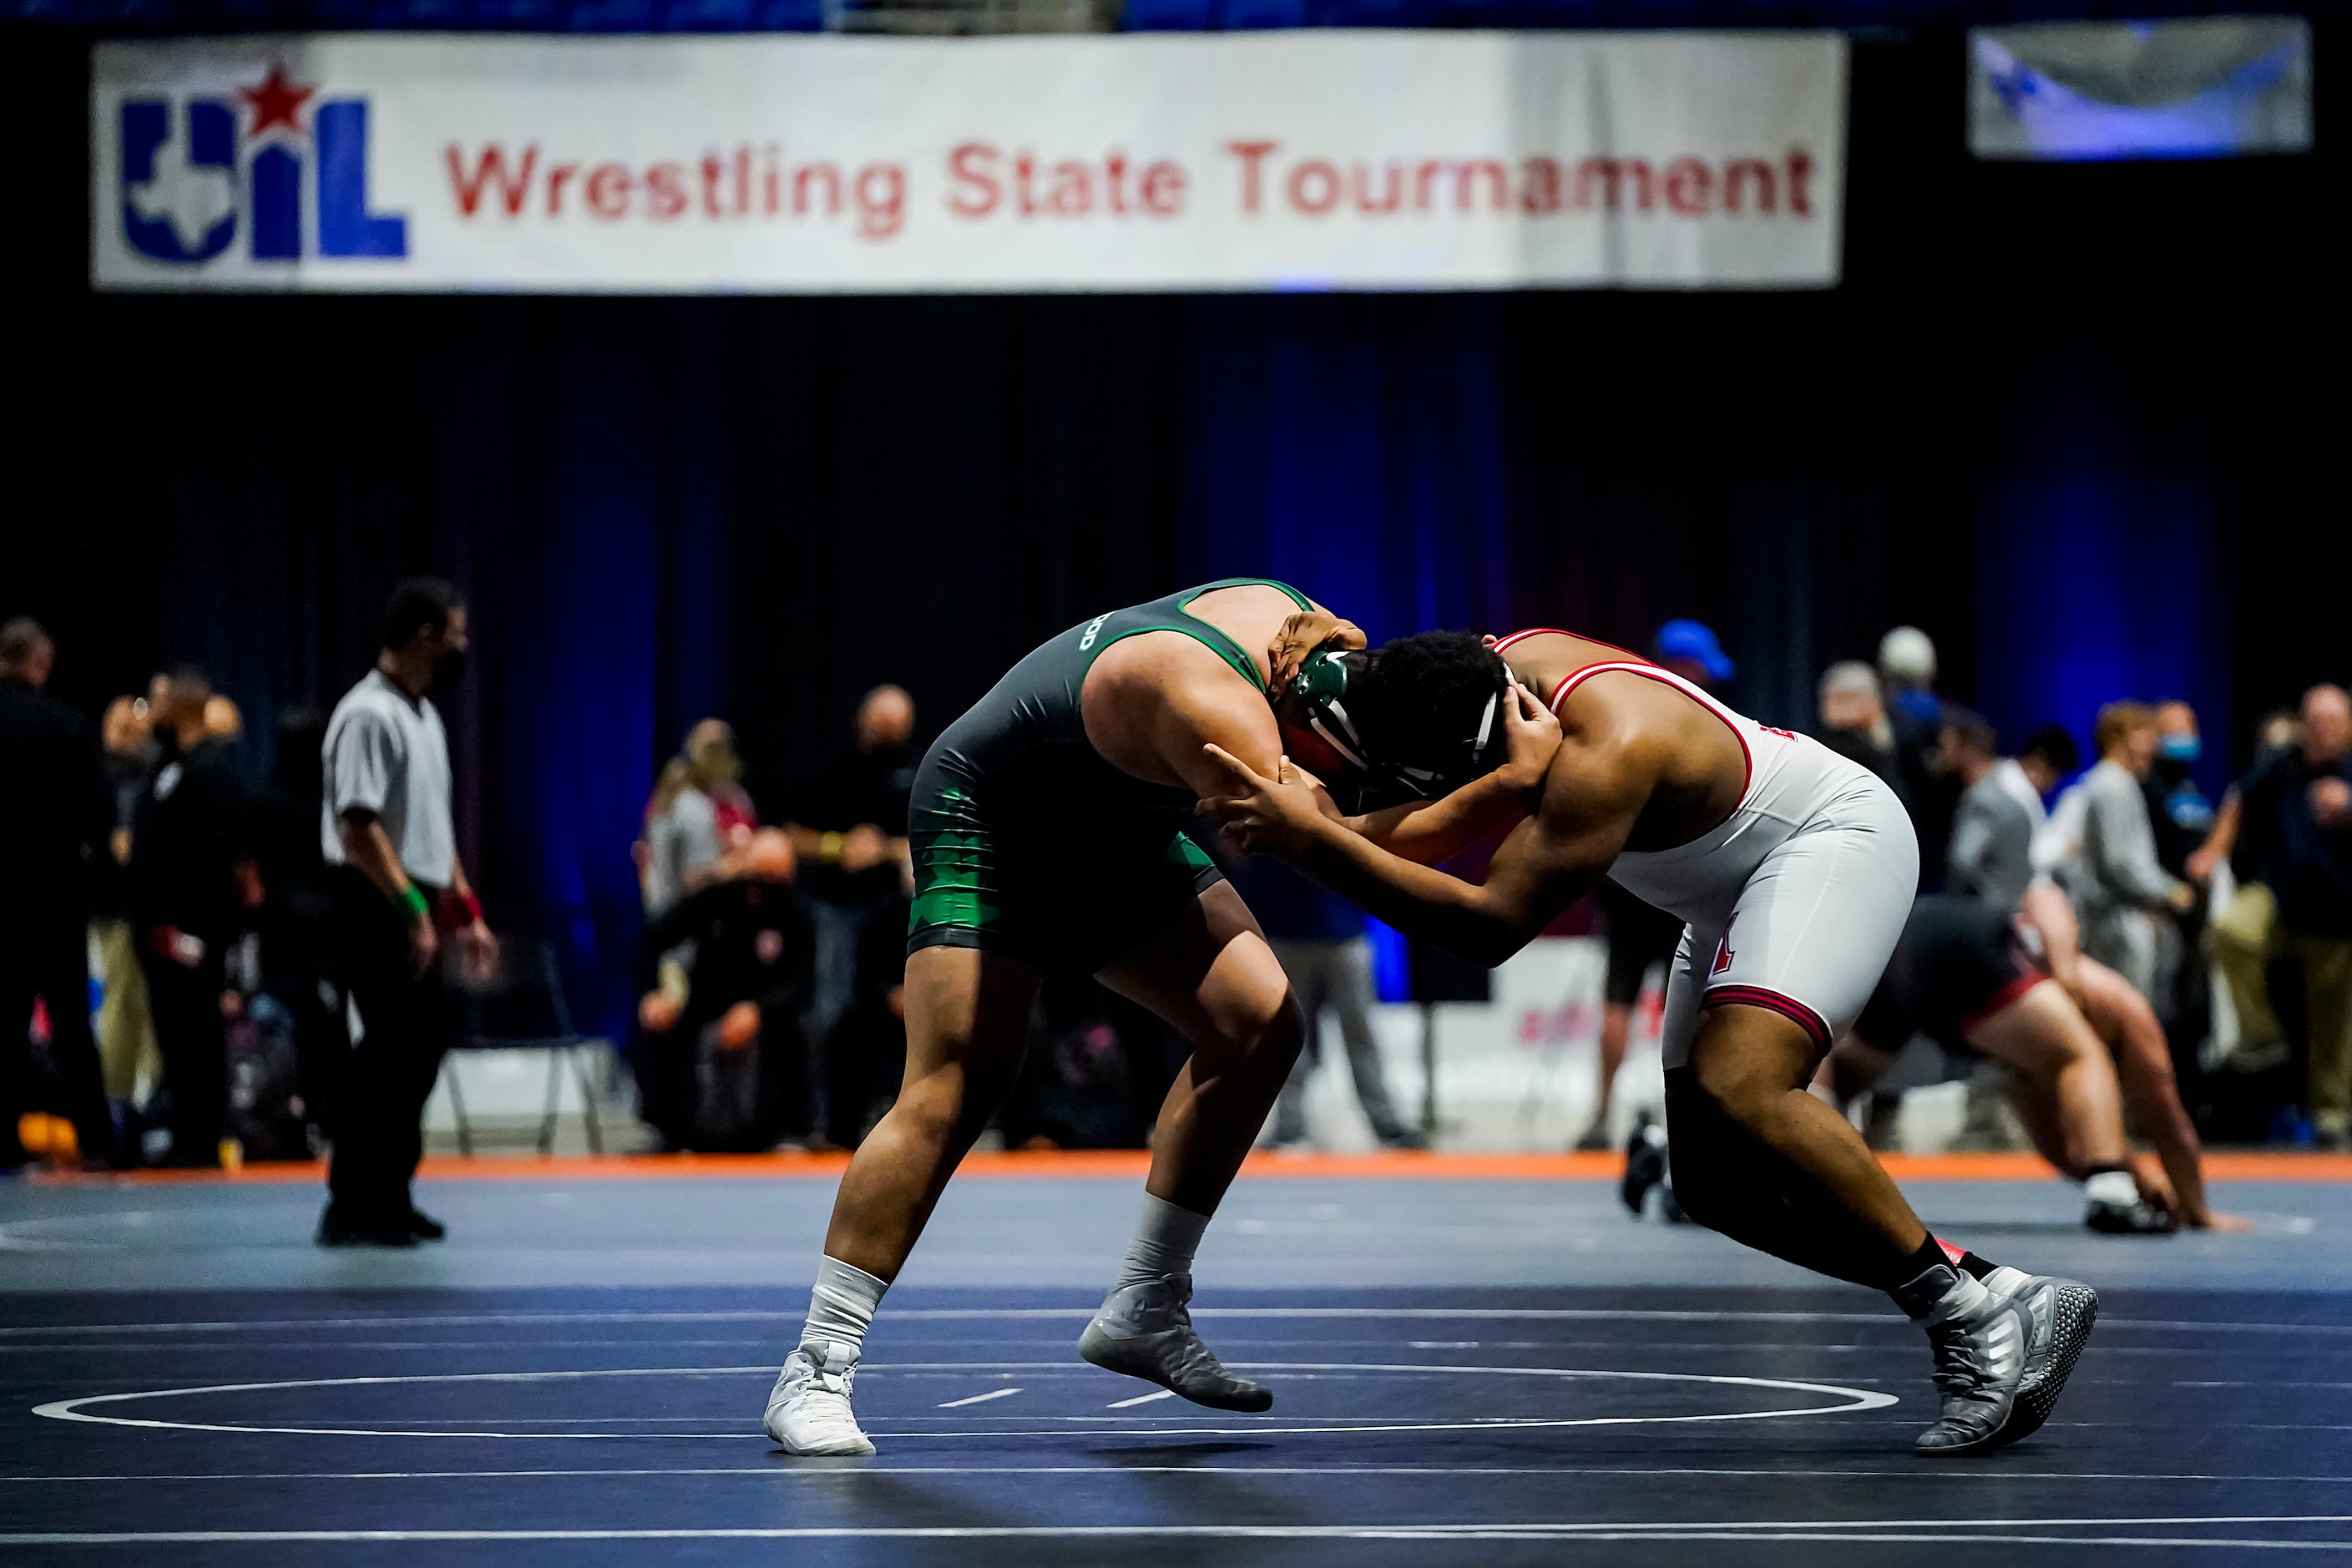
x=275 y=101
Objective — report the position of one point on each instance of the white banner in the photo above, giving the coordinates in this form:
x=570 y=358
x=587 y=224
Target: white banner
x=806 y=164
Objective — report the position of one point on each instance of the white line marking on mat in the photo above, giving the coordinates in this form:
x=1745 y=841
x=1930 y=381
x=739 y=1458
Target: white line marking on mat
x=1856 y=1399
x=1141 y=1399
x=1885 y=1530
x=979 y=1399
x=774 y=1471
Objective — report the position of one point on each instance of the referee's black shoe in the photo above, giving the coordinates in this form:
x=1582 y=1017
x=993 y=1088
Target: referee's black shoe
x=338 y=1226
x=423 y=1227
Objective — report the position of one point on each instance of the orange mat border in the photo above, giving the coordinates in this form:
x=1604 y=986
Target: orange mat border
x=1131 y=1164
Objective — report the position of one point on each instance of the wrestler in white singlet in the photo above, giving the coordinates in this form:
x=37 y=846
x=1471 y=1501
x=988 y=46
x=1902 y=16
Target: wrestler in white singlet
x=1794 y=901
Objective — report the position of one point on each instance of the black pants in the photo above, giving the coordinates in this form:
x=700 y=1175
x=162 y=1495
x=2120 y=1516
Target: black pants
x=404 y=1030
x=189 y=1035
x=45 y=953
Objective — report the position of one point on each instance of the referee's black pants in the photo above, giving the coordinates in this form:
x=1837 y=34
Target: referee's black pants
x=404 y=1030
x=45 y=953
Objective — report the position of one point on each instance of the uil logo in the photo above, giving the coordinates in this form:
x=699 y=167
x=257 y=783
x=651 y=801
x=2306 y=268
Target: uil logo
x=190 y=169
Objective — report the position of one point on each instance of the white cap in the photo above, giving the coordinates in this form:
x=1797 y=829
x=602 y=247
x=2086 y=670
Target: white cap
x=1907 y=657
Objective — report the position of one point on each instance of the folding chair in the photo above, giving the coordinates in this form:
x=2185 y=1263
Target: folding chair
x=523 y=1007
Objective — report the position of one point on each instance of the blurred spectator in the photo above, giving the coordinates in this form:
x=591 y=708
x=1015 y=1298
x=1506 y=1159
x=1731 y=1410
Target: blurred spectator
x=2181 y=815
x=2183 y=819
x=55 y=819
x=1854 y=720
x=126 y=1025
x=1992 y=852
x=297 y=923
x=1318 y=937
x=386 y=828
x=850 y=828
x=2046 y=761
x=1689 y=648
x=193 y=880
x=2287 y=829
x=698 y=814
x=724 y=1067
x=2124 y=899
x=1906 y=664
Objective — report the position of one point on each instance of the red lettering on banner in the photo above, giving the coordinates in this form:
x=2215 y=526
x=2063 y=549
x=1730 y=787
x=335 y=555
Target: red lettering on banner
x=1611 y=172
x=1025 y=172
x=665 y=190
x=608 y=191
x=1539 y=192
x=1325 y=195
x=1738 y=173
x=806 y=172
x=490 y=168
x=1497 y=184
x=711 y=170
x=1391 y=193
x=972 y=167
x=1164 y=189
x=1251 y=154
x=1422 y=178
x=1689 y=183
x=771 y=181
x=1800 y=165
x=881 y=191
x=1115 y=182
x=557 y=178
x=1073 y=192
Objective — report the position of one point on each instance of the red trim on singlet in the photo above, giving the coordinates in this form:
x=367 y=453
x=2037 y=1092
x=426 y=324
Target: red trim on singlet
x=1640 y=666
x=2002 y=998
x=1788 y=1008
x=1688 y=688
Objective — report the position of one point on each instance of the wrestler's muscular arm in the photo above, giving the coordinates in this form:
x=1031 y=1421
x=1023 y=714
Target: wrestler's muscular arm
x=1154 y=701
x=1595 y=791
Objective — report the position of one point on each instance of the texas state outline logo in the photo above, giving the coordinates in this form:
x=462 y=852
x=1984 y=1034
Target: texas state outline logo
x=294 y=171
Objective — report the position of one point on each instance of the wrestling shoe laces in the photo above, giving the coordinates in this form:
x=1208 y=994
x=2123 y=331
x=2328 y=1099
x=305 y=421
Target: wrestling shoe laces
x=1146 y=1330
x=809 y=1413
x=2003 y=1350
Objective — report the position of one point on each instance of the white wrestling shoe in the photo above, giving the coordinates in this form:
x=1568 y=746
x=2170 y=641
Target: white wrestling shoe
x=1146 y=1331
x=809 y=1412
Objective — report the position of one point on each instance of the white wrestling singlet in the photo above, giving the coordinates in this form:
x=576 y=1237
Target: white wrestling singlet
x=1794 y=901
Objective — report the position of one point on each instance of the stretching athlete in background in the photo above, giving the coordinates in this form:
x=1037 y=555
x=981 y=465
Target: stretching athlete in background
x=1793 y=868
x=2079 y=1042
x=1044 y=828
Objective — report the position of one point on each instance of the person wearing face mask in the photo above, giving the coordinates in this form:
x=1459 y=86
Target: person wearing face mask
x=2286 y=829
x=387 y=832
x=2126 y=897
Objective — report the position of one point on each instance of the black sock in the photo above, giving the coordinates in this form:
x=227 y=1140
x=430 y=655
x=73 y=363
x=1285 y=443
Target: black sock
x=1931 y=1255
x=1976 y=1265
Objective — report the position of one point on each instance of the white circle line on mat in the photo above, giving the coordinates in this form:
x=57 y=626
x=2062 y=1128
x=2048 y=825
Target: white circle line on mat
x=1855 y=1399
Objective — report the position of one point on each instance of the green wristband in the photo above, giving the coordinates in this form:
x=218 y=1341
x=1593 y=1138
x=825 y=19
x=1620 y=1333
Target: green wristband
x=411 y=903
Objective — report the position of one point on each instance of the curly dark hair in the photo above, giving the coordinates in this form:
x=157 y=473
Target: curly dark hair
x=1420 y=699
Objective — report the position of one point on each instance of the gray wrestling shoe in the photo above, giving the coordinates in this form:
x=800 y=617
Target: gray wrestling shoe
x=1146 y=1331
x=2004 y=1349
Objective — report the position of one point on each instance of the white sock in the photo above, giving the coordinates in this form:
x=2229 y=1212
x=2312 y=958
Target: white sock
x=840 y=1307
x=2112 y=1187
x=1165 y=1239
